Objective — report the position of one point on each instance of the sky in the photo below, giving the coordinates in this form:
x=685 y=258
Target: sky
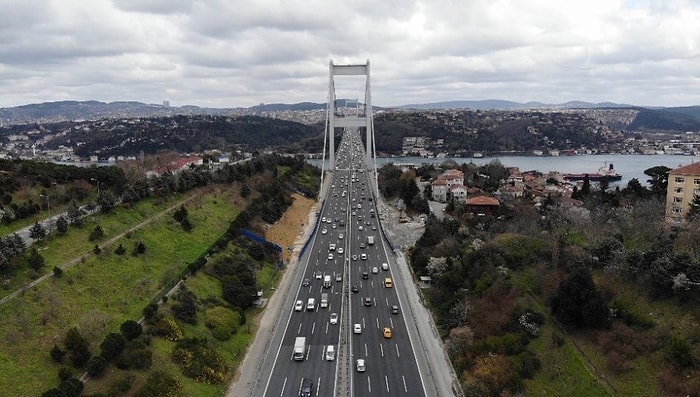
x=235 y=53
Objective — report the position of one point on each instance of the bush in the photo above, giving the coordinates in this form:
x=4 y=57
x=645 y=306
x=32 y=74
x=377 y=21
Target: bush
x=57 y=354
x=139 y=359
x=120 y=250
x=96 y=233
x=680 y=352
x=160 y=384
x=112 y=345
x=57 y=271
x=199 y=361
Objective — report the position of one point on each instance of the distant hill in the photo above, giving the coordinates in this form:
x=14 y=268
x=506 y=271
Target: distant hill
x=498 y=104
x=686 y=118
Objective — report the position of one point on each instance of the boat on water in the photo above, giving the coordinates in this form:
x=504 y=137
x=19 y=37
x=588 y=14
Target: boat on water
x=603 y=173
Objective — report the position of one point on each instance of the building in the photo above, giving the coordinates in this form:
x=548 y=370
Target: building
x=683 y=186
x=482 y=205
x=445 y=183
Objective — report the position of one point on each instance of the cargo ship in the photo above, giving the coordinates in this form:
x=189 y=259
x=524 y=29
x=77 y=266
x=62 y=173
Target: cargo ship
x=603 y=173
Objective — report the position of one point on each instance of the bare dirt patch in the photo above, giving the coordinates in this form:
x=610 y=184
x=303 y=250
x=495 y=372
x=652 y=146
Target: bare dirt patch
x=287 y=231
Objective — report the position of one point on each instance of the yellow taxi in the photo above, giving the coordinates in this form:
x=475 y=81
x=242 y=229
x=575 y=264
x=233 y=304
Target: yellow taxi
x=387 y=332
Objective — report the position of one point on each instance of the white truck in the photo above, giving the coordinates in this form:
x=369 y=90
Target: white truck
x=324 y=300
x=370 y=240
x=300 y=348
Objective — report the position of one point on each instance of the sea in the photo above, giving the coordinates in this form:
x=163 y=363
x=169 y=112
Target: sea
x=628 y=165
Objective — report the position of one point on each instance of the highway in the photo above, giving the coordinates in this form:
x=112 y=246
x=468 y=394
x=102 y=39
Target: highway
x=346 y=252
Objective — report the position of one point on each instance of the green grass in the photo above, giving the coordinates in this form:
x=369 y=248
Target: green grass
x=563 y=372
x=102 y=292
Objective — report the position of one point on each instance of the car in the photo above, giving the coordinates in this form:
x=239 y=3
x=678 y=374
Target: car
x=362 y=245
x=331 y=247
x=299 y=306
x=367 y=301
x=361 y=228
x=334 y=318
x=340 y=236
x=360 y=365
x=329 y=220
x=306 y=282
x=307 y=387
x=363 y=256
x=339 y=277
x=386 y=332
x=335 y=226
x=323 y=220
x=385 y=266
x=365 y=275
x=324 y=231
x=340 y=250
x=356 y=329
x=394 y=309
x=330 y=257
x=354 y=289
x=354 y=257
x=375 y=270
x=318 y=275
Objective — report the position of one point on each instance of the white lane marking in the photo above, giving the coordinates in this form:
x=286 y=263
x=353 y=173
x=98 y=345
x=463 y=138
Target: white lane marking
x=381 y=348
x=403 y=379
x=299 y=329
x=284 y=384
x=398 y=354
x=386 y=381
x=313 y=328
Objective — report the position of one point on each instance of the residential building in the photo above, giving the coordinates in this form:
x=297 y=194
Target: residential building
x=683 y=186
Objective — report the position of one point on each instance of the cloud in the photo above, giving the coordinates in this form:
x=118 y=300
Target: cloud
x=239 y=53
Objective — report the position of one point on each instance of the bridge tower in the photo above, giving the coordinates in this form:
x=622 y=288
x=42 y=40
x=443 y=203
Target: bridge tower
x=361 y=116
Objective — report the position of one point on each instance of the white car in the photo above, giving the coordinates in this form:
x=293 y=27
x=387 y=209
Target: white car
x=363 y=256
x=331 y=247
x=340 y=250
x=340 y=236
x=330 y=257
x=375 y=270
x=356 y=329
x=334 y=318
x=299 y=306
x=361 y=228
x=361 y=365
x=324 y=231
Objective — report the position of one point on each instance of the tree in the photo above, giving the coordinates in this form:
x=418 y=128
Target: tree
x=77 y=347
x=112 y=345
x=185 y=308
x=106 y=200
x=96 y=366
x=578 y=302
x=245 y=190
x=659 y=179
x=61 y=225
x=694 y=209
x=35 y=260
x=131 y=329
x=37 y=231
x=57 y=354
x=120 y=250
x=96 y=233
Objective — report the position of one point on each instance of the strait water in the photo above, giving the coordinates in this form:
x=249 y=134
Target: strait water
x=628 y=165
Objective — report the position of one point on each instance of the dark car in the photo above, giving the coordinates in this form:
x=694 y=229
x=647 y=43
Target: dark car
x=365 y=275
x=395 y=309
x=354 y=289
x=306 y=282
x=307 y=387
x=368 y=301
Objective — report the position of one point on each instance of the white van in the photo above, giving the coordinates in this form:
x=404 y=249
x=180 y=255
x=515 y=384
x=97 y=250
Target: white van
x=311 y=304
x=330 y=353
x=327 y=281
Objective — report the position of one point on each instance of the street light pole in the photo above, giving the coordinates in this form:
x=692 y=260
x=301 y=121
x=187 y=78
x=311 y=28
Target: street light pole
x=98 y=184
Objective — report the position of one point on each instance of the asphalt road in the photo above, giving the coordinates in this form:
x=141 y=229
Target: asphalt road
x=346 y=244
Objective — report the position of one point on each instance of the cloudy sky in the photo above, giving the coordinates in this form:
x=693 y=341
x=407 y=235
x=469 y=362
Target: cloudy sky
x=230 y=53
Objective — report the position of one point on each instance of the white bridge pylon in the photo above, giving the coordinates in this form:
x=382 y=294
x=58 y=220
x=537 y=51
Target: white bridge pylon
x=350 y=119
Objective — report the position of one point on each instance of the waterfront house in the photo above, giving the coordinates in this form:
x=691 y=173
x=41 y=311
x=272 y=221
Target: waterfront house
x=683 y=185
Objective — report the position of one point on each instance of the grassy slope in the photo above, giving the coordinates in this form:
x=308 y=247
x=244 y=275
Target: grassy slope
x=100 y=293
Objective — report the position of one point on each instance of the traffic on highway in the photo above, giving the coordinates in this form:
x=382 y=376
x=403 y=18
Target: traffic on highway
x=346 y=328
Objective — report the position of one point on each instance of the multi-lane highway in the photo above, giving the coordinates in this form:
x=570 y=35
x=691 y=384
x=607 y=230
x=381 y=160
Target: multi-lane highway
x=348 y=265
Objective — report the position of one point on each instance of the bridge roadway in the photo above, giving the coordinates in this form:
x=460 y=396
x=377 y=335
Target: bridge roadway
x=391 y=368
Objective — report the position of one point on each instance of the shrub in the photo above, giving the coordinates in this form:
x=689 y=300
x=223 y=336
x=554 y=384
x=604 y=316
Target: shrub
x=140 y=359
x=57 y=354
x=160 y=384
x=120 y=250
x=96 y=233
x=680 y=352
x=57 y=271
x=112 y=345
x=199 y=361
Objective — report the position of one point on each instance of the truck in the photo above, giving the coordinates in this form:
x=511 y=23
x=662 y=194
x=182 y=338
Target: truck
x=324 y=300
x=370 y=240
x=300 y=348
